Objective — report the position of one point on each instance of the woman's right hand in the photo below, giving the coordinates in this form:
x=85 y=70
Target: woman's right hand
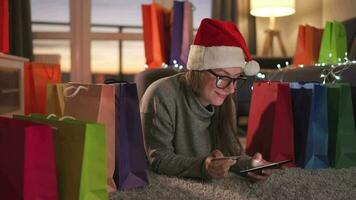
x=262 y=175
x=218 y=168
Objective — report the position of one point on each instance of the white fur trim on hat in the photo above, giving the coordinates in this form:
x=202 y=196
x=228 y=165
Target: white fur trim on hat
x=203 y=58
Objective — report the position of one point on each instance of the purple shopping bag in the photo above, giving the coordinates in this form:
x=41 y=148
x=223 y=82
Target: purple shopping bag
x=301 y=94
x=130 y=161
x=177 y=33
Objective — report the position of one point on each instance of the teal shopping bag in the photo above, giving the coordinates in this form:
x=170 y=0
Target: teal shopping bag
x=80 y=151
x=333 y=44
x=342 y=135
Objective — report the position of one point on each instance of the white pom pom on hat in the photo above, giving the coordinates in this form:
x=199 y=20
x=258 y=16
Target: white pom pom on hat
x=219 y=44
x=251 y=68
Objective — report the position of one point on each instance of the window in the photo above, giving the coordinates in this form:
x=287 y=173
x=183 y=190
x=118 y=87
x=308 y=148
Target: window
x=61 y=48
x=96 y=37
x=50 y=24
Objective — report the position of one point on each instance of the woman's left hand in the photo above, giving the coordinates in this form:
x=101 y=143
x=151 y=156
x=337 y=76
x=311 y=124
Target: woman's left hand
x=261 y=175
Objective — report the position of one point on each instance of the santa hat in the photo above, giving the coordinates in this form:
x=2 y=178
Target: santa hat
x=219 y=44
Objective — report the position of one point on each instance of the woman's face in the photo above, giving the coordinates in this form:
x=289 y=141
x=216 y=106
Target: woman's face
x=210 y=93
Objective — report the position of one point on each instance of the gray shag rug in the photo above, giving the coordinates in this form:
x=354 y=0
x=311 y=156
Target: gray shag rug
x=294 y=183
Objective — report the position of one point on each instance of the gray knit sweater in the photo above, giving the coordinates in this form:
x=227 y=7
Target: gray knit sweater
x=176 y=129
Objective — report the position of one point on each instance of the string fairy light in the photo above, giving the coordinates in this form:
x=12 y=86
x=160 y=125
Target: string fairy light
x=329 y=74
x=334 y=73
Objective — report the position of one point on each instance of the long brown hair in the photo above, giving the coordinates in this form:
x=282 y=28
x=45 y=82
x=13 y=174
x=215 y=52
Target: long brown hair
x=224 y=124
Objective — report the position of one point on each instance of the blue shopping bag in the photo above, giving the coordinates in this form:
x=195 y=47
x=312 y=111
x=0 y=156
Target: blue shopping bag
x=316 y=152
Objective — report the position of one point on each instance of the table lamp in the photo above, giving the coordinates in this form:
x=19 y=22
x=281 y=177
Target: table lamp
x=272 y=9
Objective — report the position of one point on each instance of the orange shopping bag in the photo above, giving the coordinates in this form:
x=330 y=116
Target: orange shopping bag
x=37 y=76
x=308 y=45
x=156 y=34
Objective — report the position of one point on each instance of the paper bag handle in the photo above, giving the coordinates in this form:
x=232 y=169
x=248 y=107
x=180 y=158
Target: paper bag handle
x=60 y=119
x=51 y=115
x=66 y=91
x=66 y=117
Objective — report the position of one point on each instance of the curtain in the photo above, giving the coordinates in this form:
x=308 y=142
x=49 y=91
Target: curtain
x=20 y=33
x=225 y=10
x=237 y=12
x=4 y=26
x=251 y=43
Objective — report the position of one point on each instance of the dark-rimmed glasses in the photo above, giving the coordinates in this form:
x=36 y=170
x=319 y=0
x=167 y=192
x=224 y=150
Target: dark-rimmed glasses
x=223 y=82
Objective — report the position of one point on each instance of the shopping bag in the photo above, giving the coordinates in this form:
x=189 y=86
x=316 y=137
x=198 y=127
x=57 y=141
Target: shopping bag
x=301 y=101
x=156 y=34
x=36 y=78
x=187 y=33
x=353 y=95
x=316 y=153
x=177 y=33
x=352 y=54
x=4 y=26
x=95 y=103
x=55 y=100
x=308 y=45
x=342 y=135
x=80 y=157
x=130 y=163
x=333 y=44
x=27 y=161
x=270 y=122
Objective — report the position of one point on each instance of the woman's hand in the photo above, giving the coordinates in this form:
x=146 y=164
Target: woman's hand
x=262 y=175
x=218 y=168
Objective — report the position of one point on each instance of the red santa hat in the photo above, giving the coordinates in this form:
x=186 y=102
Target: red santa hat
x=219 y=44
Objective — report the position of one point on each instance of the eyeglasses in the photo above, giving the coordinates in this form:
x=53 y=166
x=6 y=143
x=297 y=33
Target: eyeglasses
x=223 y=82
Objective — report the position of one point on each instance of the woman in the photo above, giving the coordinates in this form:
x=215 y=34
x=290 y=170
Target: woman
x=189 y=119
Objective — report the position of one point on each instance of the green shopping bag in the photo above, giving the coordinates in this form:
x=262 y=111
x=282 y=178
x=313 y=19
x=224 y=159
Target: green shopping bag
x=80 y=157
x=342 y=135
x=333 y=44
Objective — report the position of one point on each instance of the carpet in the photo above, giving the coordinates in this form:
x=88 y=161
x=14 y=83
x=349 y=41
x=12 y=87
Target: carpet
x=294 y=183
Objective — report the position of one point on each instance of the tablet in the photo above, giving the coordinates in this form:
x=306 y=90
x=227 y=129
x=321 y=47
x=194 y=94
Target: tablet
x=229 y=157
x=270 y=165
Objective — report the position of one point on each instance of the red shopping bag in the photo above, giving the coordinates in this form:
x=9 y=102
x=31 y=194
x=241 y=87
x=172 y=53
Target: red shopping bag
x=270 y=122
x=37 y=77
x=156 y=34
x=27 y=161
x=4 y=26
x=308 y=45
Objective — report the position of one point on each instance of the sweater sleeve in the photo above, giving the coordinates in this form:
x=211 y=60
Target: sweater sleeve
x=157 y=114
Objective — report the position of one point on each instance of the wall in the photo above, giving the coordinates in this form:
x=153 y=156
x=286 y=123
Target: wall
x=312 y=12
x=339 y=10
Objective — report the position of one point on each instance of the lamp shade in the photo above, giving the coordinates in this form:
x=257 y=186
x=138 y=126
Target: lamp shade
x=272 y=8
